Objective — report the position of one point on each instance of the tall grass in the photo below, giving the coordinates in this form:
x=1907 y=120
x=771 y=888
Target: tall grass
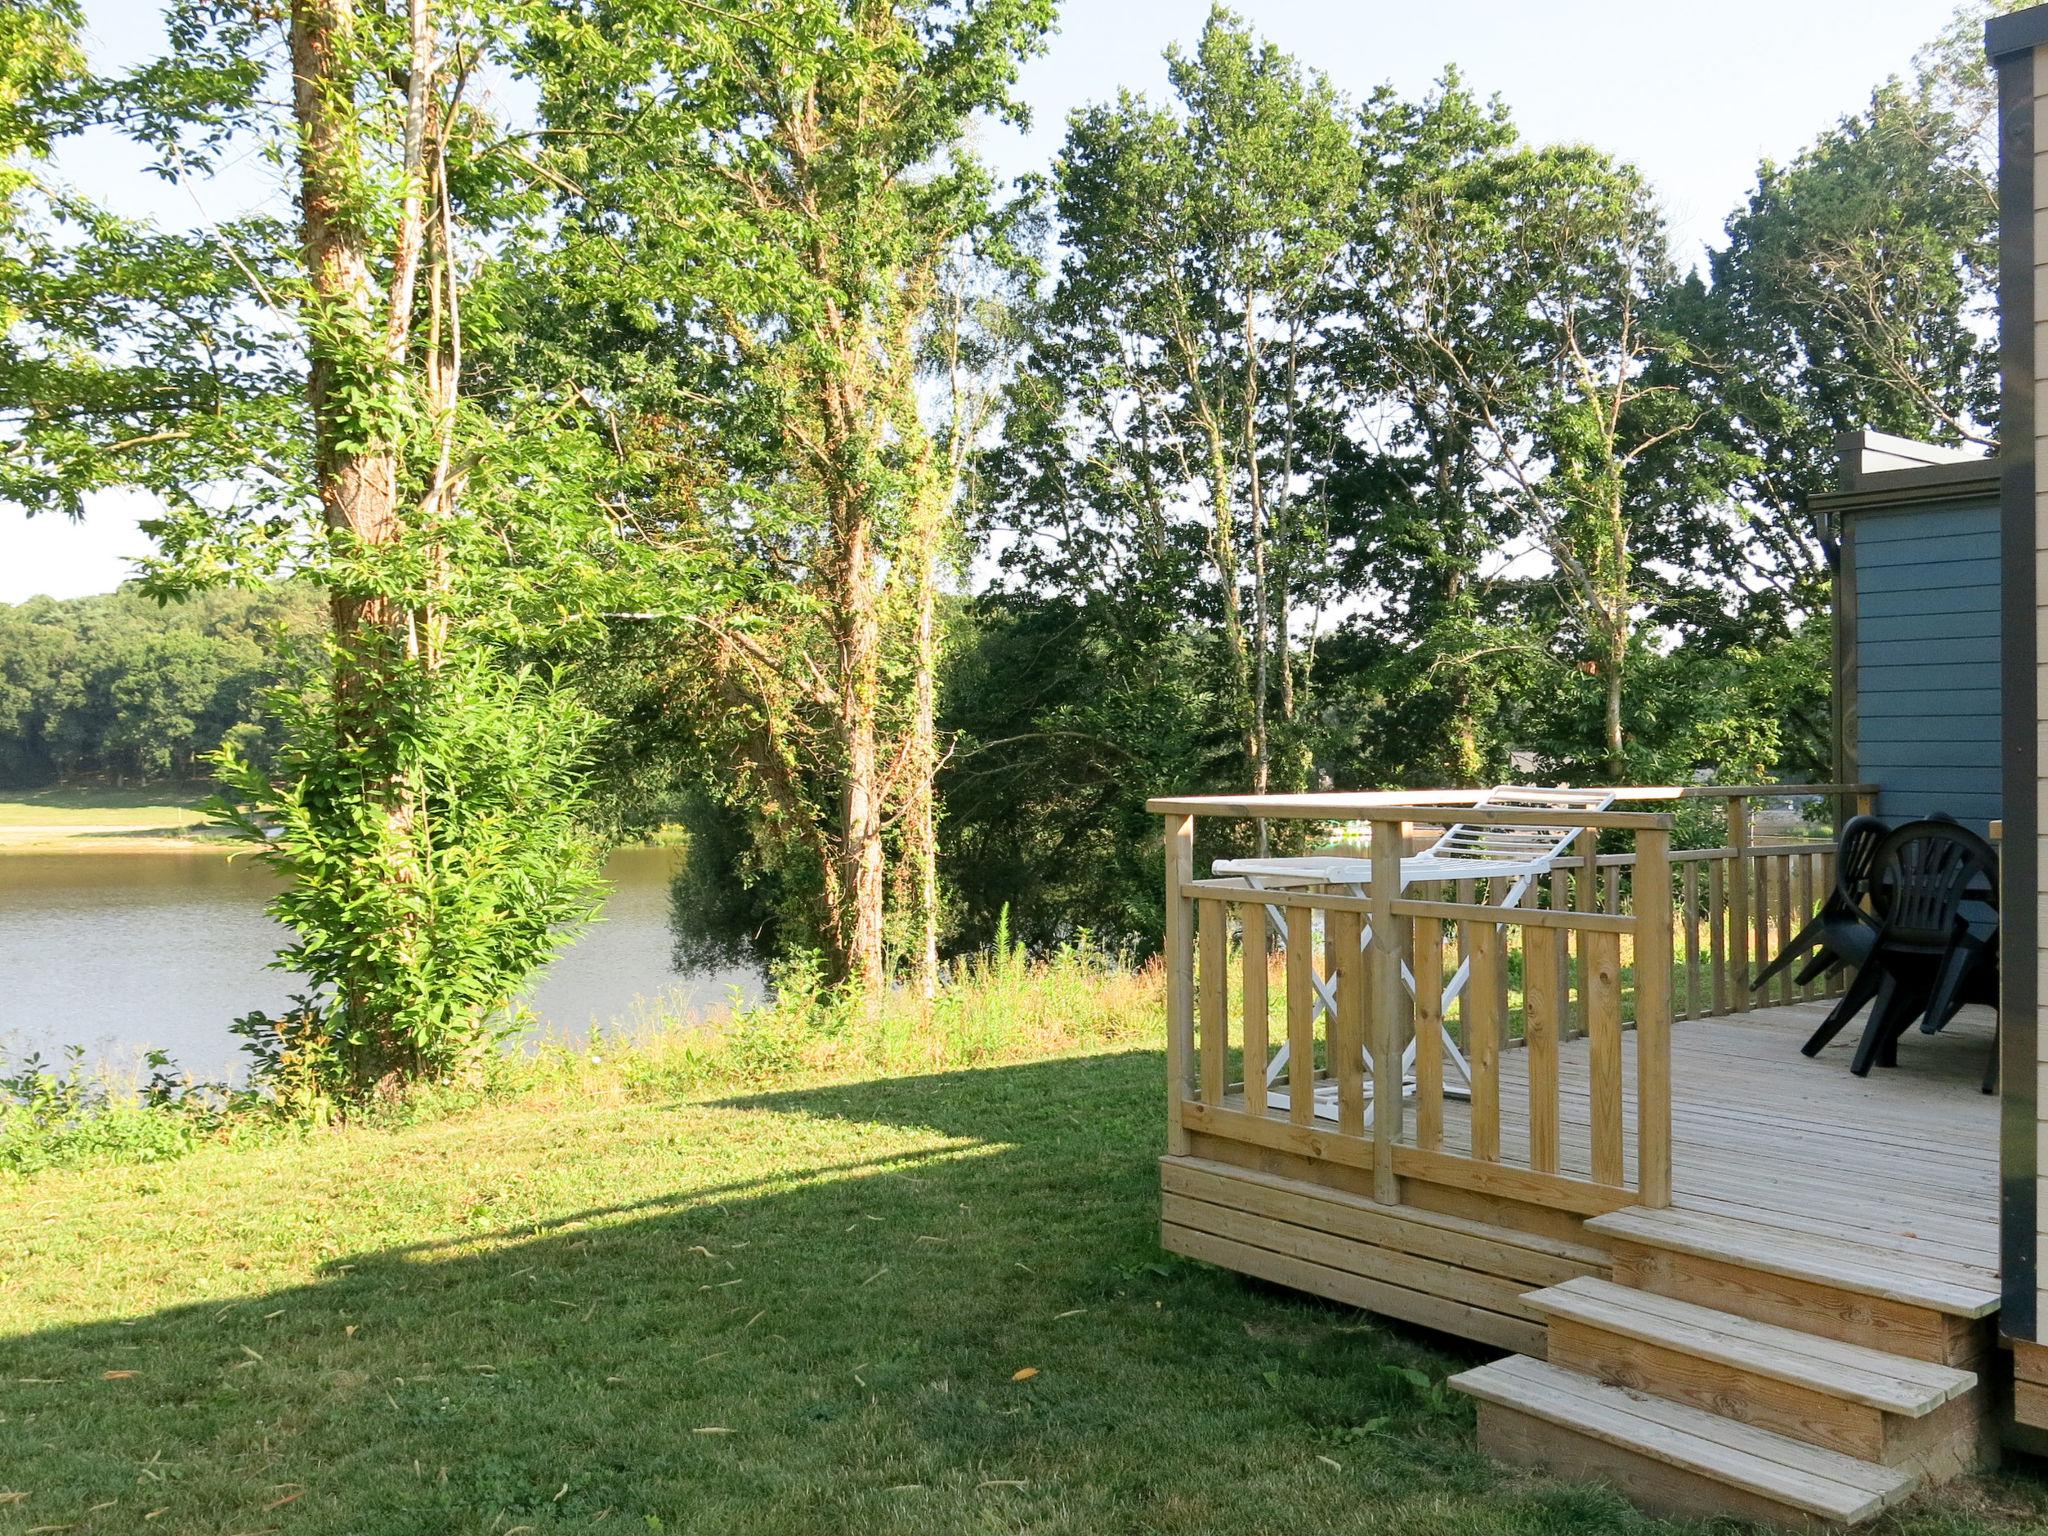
x=997 y=1006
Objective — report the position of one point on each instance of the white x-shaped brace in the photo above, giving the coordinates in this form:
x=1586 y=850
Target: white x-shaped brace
x=1326 y=995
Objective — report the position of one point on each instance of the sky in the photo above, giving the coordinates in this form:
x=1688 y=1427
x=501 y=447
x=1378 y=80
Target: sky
x=1696 y=96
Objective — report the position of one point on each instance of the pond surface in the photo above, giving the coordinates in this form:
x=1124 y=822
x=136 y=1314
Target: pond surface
x=120 y=952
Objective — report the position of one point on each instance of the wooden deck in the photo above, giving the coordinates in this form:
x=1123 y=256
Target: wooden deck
x=1735 y=1279
x=1899 y=1167
x=1804 y=1335
x=1902 y=1164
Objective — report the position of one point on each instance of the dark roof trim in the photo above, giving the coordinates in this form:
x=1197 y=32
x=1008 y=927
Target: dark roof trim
x=1976 y=480
x=2016 y=33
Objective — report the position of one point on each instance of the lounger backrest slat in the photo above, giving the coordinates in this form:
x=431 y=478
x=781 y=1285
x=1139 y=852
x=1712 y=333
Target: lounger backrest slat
x=1475 y=840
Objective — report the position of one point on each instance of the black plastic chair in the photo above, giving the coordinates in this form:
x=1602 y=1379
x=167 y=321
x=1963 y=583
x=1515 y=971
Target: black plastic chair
x=1976 y=981
x=1841 y=927
x=1924 y=873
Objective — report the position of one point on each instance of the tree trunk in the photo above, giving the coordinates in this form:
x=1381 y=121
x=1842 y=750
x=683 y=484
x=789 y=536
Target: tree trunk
x=1615 y=605
x=1617 y=652
x=921 y=830
x=1283 y=534
x=1262 y=757
x=352 y=381
x=1223 y=548
x=357 y=483
x=861 y=869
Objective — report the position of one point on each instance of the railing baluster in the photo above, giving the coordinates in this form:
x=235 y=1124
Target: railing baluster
x=1481 y=1011
x=1603 y=1009
x=1301 y=1015
x=1542 y=961
x=1788 y=924
x=1760 y=923
x=1213 y=984
x=1689 y=900
x=1428 y=965
x=1347 y=1030
x=1468 y=895
x=1801 y=911
x=1256 y=961
x=1587 y=851
x=1831 y=985
x=1738 y=904
x=1717 y=932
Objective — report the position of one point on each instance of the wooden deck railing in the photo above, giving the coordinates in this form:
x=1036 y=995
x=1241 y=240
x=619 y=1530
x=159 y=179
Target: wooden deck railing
x=1583 y=955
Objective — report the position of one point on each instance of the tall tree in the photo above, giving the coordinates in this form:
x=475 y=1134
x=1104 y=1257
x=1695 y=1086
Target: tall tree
x=293 y=390
x=1174 y=365
x=1560 y=401
x=759 y=248
x=1418 y=514
x=1855 y=289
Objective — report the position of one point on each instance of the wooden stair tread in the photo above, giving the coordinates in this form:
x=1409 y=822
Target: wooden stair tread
x=1826 y=1261
x=1887 y=1382
x=1821 y=1483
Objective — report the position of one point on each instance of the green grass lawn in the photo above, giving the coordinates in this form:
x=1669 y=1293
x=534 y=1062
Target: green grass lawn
x=931 y=1304
x=91 y=817
x=147 y=806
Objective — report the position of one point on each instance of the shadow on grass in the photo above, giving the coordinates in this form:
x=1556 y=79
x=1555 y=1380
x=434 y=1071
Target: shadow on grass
x=930 y=1305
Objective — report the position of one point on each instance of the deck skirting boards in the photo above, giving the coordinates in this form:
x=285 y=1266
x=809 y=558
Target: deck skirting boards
x=1447 y=1272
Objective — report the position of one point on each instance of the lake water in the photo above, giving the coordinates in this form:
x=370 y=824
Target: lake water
x=119 y=952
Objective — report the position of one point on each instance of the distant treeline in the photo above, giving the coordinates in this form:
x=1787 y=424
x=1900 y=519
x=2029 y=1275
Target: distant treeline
x=117 y=686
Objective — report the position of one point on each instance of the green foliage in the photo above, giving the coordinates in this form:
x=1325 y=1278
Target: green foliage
x=132 y=355
x=1065 y=714
x=1856 y=288
x=54 y=1116
x=120 y=685
x=761 y=271
x=418 y=909
x=1171 y=431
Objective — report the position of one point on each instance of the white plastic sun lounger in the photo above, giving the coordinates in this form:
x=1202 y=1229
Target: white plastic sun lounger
x=1469 y=850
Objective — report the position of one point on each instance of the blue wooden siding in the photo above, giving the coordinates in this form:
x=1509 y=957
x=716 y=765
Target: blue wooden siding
x=1927 y=625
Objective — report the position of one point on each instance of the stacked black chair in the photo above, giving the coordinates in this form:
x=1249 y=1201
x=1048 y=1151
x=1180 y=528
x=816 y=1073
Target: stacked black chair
x=1841 y=929
x=1921 y=949
x=1971 y=976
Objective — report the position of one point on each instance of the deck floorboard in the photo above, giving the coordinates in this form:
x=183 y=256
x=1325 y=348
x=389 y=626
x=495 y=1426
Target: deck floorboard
x=1903 y=1162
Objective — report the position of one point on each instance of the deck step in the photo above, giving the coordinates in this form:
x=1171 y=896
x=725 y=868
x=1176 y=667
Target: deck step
x=1888 y=1383
x=1670 y=1457
x=1884 y=1275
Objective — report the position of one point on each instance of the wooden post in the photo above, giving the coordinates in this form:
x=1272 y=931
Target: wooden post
x=1180 y=977
x=1390 y=1010
x=1653 y=1017
x=1584 y=891
x=1739 y=877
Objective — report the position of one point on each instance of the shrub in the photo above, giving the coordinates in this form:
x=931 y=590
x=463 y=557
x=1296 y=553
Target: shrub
x=430 y=864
